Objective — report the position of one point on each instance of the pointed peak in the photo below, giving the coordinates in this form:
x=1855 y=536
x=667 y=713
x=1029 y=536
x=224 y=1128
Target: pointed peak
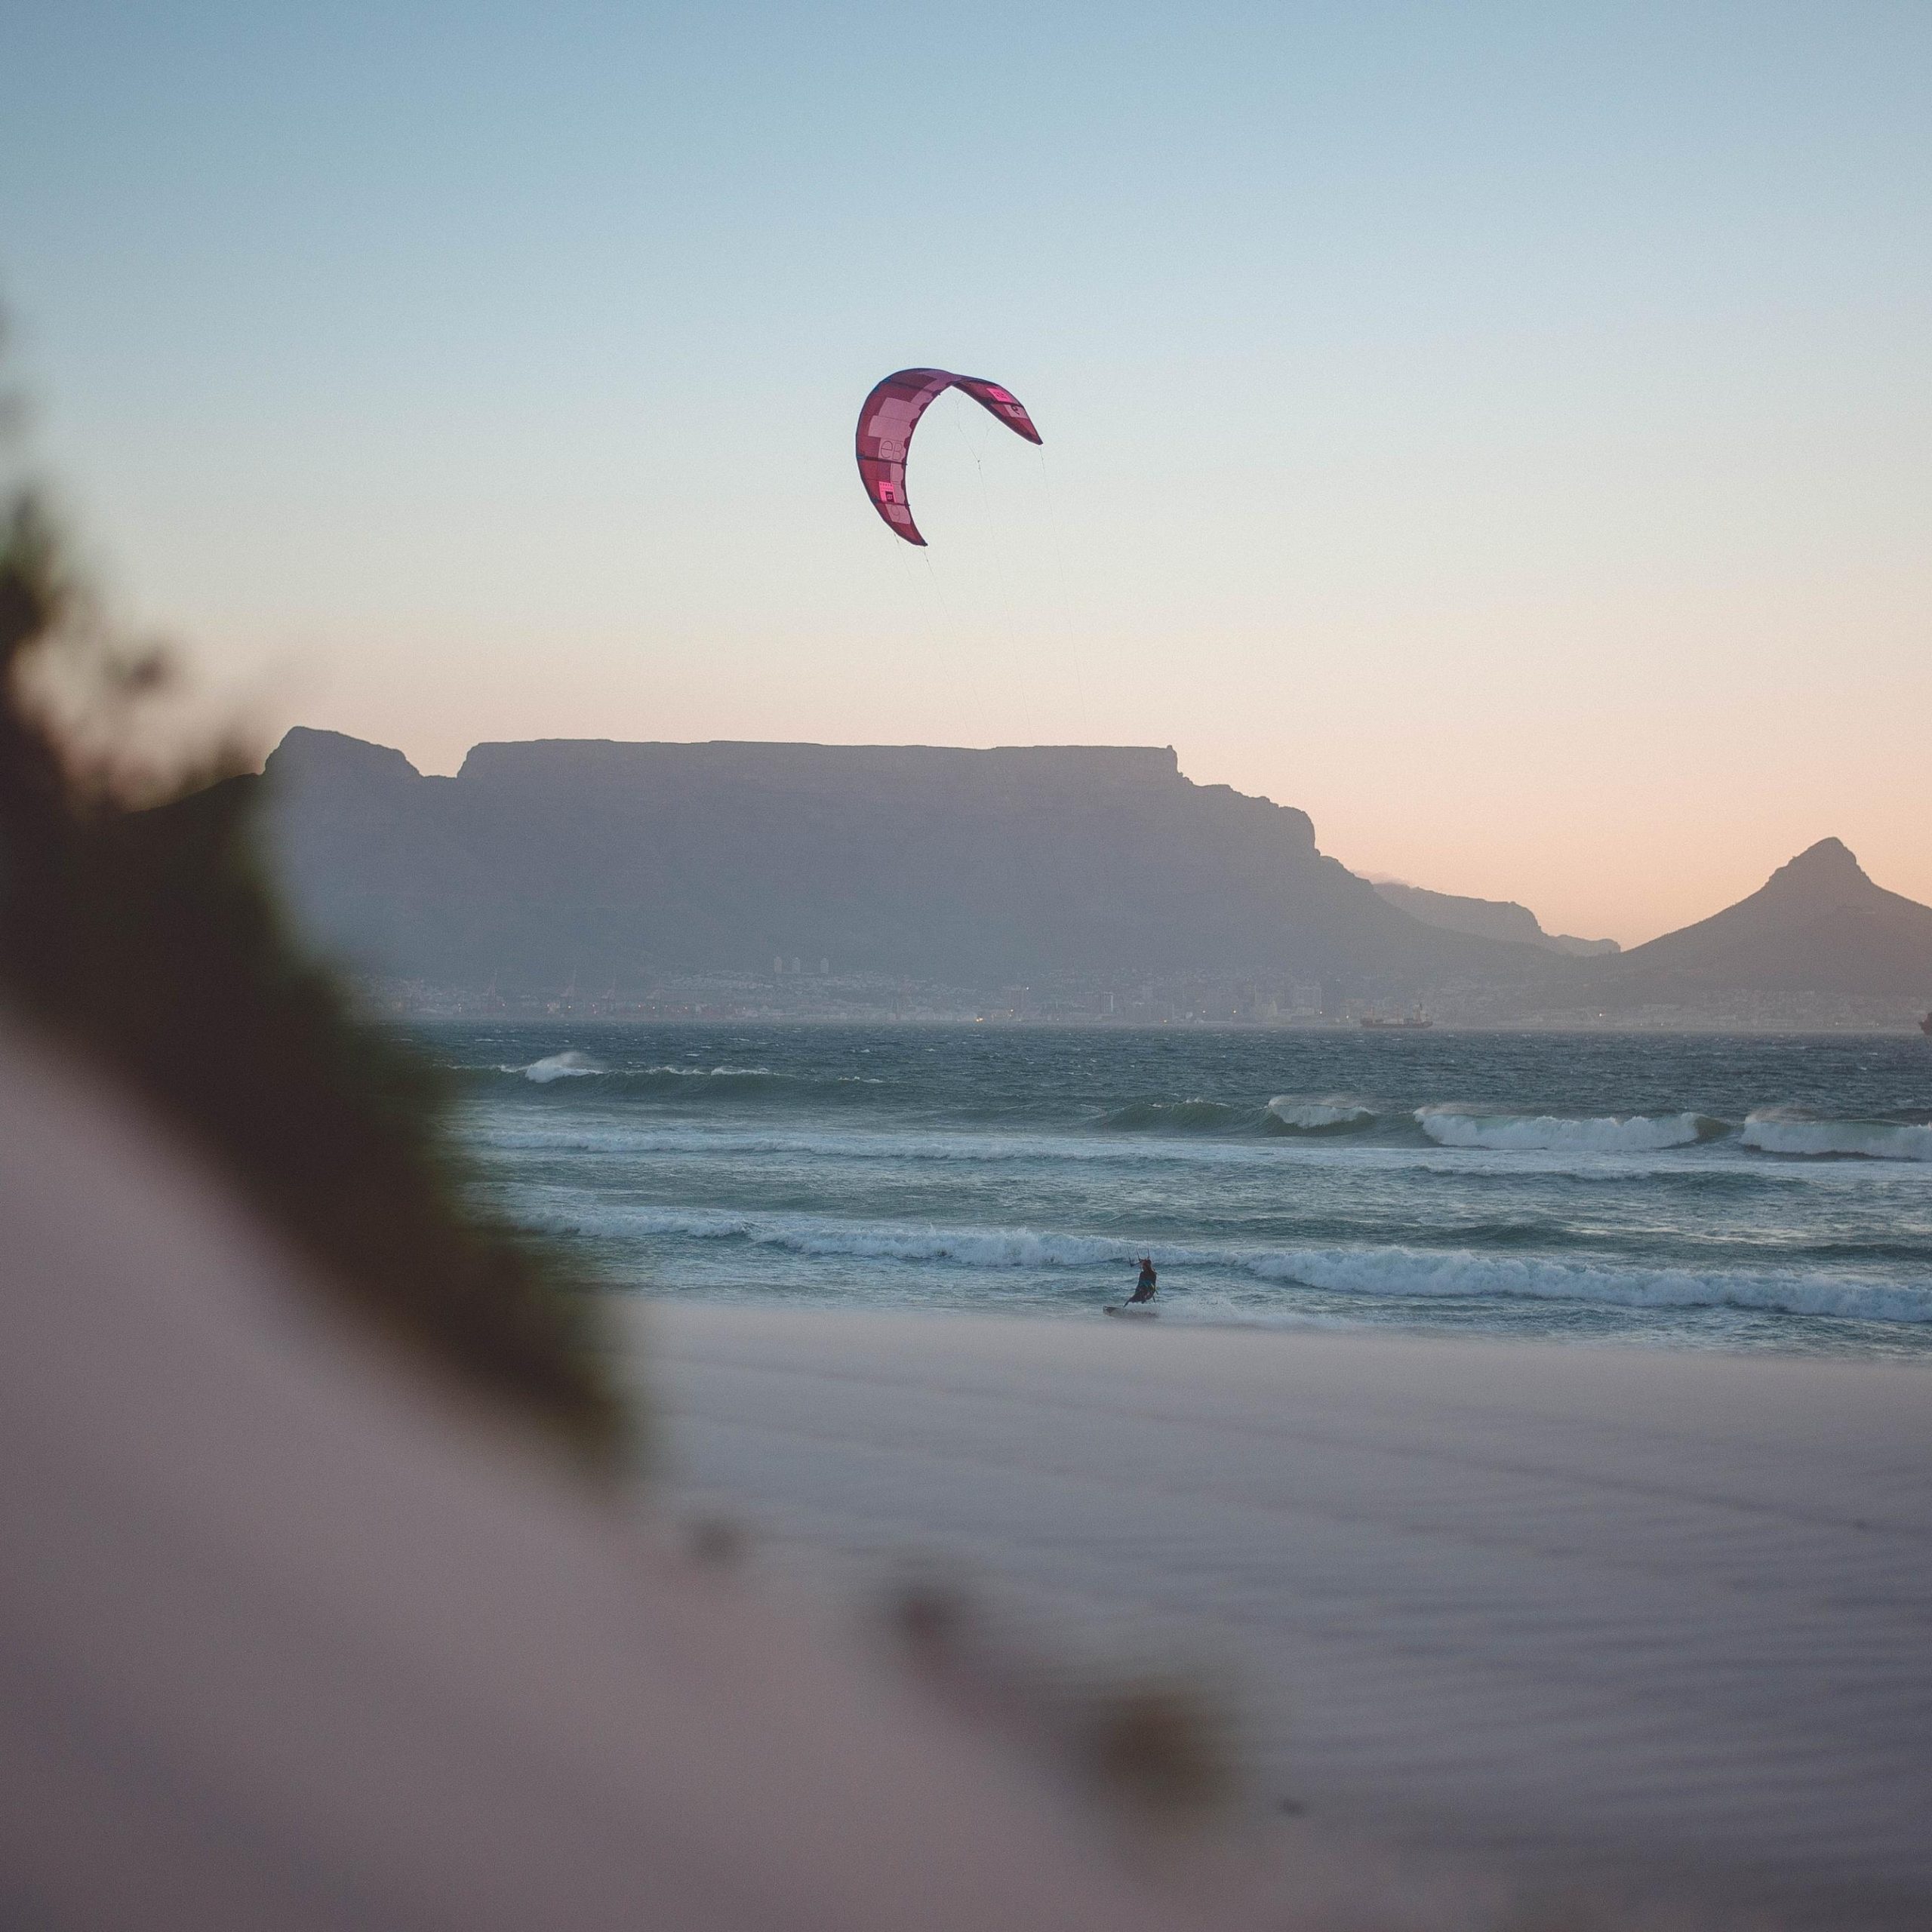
x=1825 y=872
x=1829 y=858
x=1834 y=851
x=307 y=753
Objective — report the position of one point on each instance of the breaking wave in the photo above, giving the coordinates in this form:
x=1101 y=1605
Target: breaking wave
x=1773 y=1131
x=1289 y=1113
x=559 y=1066
x=1609 y=1133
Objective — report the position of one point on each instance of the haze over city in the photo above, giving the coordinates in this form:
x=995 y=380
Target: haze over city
x=1498 y=432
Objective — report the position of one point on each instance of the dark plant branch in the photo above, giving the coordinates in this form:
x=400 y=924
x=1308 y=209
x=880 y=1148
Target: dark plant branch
x=134 y=920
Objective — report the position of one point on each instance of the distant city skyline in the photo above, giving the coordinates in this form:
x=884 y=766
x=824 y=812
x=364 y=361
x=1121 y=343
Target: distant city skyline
x=1499 y=431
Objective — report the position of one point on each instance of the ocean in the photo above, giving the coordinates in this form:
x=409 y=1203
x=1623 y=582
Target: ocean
x=1681 y=1190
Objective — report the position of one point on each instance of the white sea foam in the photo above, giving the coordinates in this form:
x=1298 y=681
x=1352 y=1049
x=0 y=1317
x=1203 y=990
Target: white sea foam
x=805 y=1234
x=1391 y=1273
x=764 y=1074
x=1608 y=1133
x=559 y=1067
x=1334 y=1115
x=1406 y=1271
x=619 y=1138
x=615 y=1136
x=1772 y=1132
x=568 y=1066
x=719 y=1072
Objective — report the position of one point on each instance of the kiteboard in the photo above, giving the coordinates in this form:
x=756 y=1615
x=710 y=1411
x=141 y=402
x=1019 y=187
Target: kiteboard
x=1140 y=1311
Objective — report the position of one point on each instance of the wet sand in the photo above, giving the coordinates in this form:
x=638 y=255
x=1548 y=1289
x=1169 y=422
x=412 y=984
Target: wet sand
x=1615 y=1619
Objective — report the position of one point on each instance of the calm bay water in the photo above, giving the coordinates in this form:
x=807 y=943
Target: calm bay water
x=1685 y=1190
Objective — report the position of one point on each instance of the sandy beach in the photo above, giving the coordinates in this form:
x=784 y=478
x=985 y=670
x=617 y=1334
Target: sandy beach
x=291 y=1639
x=1618 y=1620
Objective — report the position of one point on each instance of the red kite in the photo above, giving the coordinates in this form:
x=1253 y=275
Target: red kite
x=886 y=424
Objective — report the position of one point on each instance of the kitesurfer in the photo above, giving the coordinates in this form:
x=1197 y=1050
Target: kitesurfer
x=1144 y=1289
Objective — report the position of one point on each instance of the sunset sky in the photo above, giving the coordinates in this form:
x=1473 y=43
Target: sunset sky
x=1502 y=431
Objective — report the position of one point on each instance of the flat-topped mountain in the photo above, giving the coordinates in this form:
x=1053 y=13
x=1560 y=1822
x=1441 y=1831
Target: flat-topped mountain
x=1486 y=918
x=1819 y=925
x=542 y=860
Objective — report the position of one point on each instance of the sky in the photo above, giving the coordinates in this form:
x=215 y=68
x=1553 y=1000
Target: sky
x=1501 y=431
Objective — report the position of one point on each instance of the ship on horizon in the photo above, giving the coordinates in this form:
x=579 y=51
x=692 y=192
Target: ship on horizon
x=1415 y=1021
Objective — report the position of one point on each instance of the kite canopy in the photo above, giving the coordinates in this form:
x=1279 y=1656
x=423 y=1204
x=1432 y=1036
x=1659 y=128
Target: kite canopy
x=886 y=424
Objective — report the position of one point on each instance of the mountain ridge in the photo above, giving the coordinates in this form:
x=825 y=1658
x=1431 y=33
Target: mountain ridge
x=1103 y=865
x=1487 y=918
x=541 y=857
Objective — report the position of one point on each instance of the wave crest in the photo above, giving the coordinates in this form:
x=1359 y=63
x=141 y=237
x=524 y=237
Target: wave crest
x=713 y=1073
x=567 y=1065
x=722 y=1085
x=1772 y=1130
x=1608 y=1133
x=1290 y=1113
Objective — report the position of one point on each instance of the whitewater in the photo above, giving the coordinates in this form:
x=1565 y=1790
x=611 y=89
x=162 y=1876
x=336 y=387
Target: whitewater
x=1691 y=1191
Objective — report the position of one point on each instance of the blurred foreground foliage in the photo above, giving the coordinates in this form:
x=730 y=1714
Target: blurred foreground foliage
x=135 y=922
